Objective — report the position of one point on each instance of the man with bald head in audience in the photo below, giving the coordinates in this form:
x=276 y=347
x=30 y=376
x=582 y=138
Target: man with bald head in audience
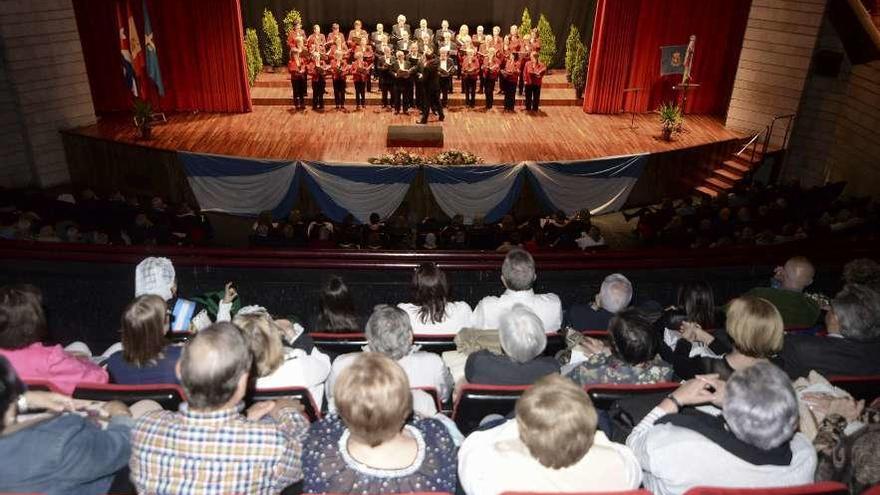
x=210 y=446
x=787 y=293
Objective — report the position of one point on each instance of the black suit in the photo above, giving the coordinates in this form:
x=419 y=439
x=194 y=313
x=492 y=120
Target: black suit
x=584 y=317
x=830 y=356
x=402 y=95
x=396 y=34
x=429 y=79
x=419 y=32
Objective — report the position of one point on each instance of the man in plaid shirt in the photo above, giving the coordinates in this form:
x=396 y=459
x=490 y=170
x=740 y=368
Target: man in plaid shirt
x=211 y=448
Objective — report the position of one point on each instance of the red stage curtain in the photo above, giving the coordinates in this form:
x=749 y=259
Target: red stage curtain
x=201 y=54
x=626 y=53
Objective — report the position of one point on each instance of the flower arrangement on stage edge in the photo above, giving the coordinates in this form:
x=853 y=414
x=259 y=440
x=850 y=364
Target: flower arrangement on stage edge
x=403 y=157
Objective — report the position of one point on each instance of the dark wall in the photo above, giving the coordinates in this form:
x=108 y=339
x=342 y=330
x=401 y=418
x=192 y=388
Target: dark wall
x=504 y=13
x=84 y=300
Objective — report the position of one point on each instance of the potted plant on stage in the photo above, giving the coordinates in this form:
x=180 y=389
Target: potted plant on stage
x=670 y=119
x=579 y=61
x=143 y=114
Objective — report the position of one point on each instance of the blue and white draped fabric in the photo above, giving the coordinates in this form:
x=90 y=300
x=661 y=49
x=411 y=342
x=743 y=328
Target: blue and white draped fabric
x=358 y=189
x=487 y=191
x=601 y=185
x=242 y=186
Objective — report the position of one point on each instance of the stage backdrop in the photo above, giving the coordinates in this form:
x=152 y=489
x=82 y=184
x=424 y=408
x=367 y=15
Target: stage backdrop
x=560 y=13
x=200 y=50
x=627 y=38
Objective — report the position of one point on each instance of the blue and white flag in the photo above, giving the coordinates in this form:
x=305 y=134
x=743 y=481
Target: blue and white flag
x=601 y=186
x=153 y=70
x=487 y=191
x=358 y=190
x=242 y=186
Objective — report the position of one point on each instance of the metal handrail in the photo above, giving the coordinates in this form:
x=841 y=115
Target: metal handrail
x=751 y=141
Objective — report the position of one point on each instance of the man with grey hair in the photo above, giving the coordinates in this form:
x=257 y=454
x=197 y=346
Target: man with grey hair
x=523 y=340
x=389 y=332
x=614 y=296
x=259 y=453
x=852 y=346
x=786 y=292
x=752 y=444
x=518 y=276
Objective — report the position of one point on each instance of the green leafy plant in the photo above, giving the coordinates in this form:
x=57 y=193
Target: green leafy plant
x=670 y=118
x=272 y=53
x=571 y=47
x=403 y=157
x=252 y=51
x=290 y=20
x=525 y=24
x=548 y=41
x=142 y=112
x=580 y=61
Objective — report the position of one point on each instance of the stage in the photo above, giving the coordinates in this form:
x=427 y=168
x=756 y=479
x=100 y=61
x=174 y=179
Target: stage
x=560 y=131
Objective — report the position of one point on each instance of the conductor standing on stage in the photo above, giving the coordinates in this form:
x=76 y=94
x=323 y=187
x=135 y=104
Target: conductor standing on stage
x=429 y=78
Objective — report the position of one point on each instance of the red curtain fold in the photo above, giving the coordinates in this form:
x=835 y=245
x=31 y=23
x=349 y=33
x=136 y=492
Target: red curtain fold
x=626 y=53
x=200 y=48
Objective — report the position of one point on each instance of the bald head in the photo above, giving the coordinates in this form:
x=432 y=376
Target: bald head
x=797 y=274
x=212 y=366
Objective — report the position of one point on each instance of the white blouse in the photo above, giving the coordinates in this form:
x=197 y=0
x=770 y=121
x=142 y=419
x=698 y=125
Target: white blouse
x=458 y=315
x=300 y=370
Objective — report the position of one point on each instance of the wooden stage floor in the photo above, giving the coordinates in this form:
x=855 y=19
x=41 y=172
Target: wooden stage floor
x=556 y=133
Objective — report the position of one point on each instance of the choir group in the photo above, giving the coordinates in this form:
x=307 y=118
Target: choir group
x=397 y=58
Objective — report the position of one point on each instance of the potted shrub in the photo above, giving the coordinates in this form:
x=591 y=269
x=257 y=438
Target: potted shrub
x=579 y=70
x=670 y=119
x=272 y=52
x=548 y=42
x=143 y=114
x=571 y=48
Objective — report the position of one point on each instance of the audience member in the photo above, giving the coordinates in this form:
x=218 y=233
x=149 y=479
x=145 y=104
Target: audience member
x=852 y=346
x=376 y=443
x=389 y=333
x=754 y=334
x=552 y=444
x=864 y=271
x=523 y=341
x=787 y=293
x=62 y=453
x=518 y=277
x=753 y=443
x=336 y=310
x=276 y=365
x=431 y=312
x=615 y=295
x=146 y=356
x=157 y=276
x=631 y=357
x=210 y=447
x=697 y=301
x=22 y=330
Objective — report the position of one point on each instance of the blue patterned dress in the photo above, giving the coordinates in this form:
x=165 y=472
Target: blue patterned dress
x=329 y=468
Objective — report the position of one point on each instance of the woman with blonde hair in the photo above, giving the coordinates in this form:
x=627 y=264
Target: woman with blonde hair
x=552 y=442
x=276 y=365
x=376 y=444
x=754 y=333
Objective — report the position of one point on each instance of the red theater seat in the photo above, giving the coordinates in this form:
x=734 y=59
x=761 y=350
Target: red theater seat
x=865 y=387
x=169 y=396
x=822 y=488
x=40 y=385
x=630 y=492
x=603 y=395
x=475 y=402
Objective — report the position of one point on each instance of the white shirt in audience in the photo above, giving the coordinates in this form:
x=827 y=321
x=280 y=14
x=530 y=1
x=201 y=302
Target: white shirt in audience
x=424 y=369
x=547 y=306
x=300 y=370
x=676 y=459
x=458 y=315
x=494 y=461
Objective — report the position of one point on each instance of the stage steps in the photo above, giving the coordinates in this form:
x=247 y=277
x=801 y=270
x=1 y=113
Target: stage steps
x=273 y=89
x=727 y=174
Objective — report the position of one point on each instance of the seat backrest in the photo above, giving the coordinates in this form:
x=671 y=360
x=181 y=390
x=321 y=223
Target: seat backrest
x=337 y=344
x=629 y=492
x=865 y=387
x=475 y=402
x=40 y=385
x=169 y=396
x=604 y=395
x=821 y=488
x=437 y=344
x=874 y=490
x=435 y=395
x=302 y=394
